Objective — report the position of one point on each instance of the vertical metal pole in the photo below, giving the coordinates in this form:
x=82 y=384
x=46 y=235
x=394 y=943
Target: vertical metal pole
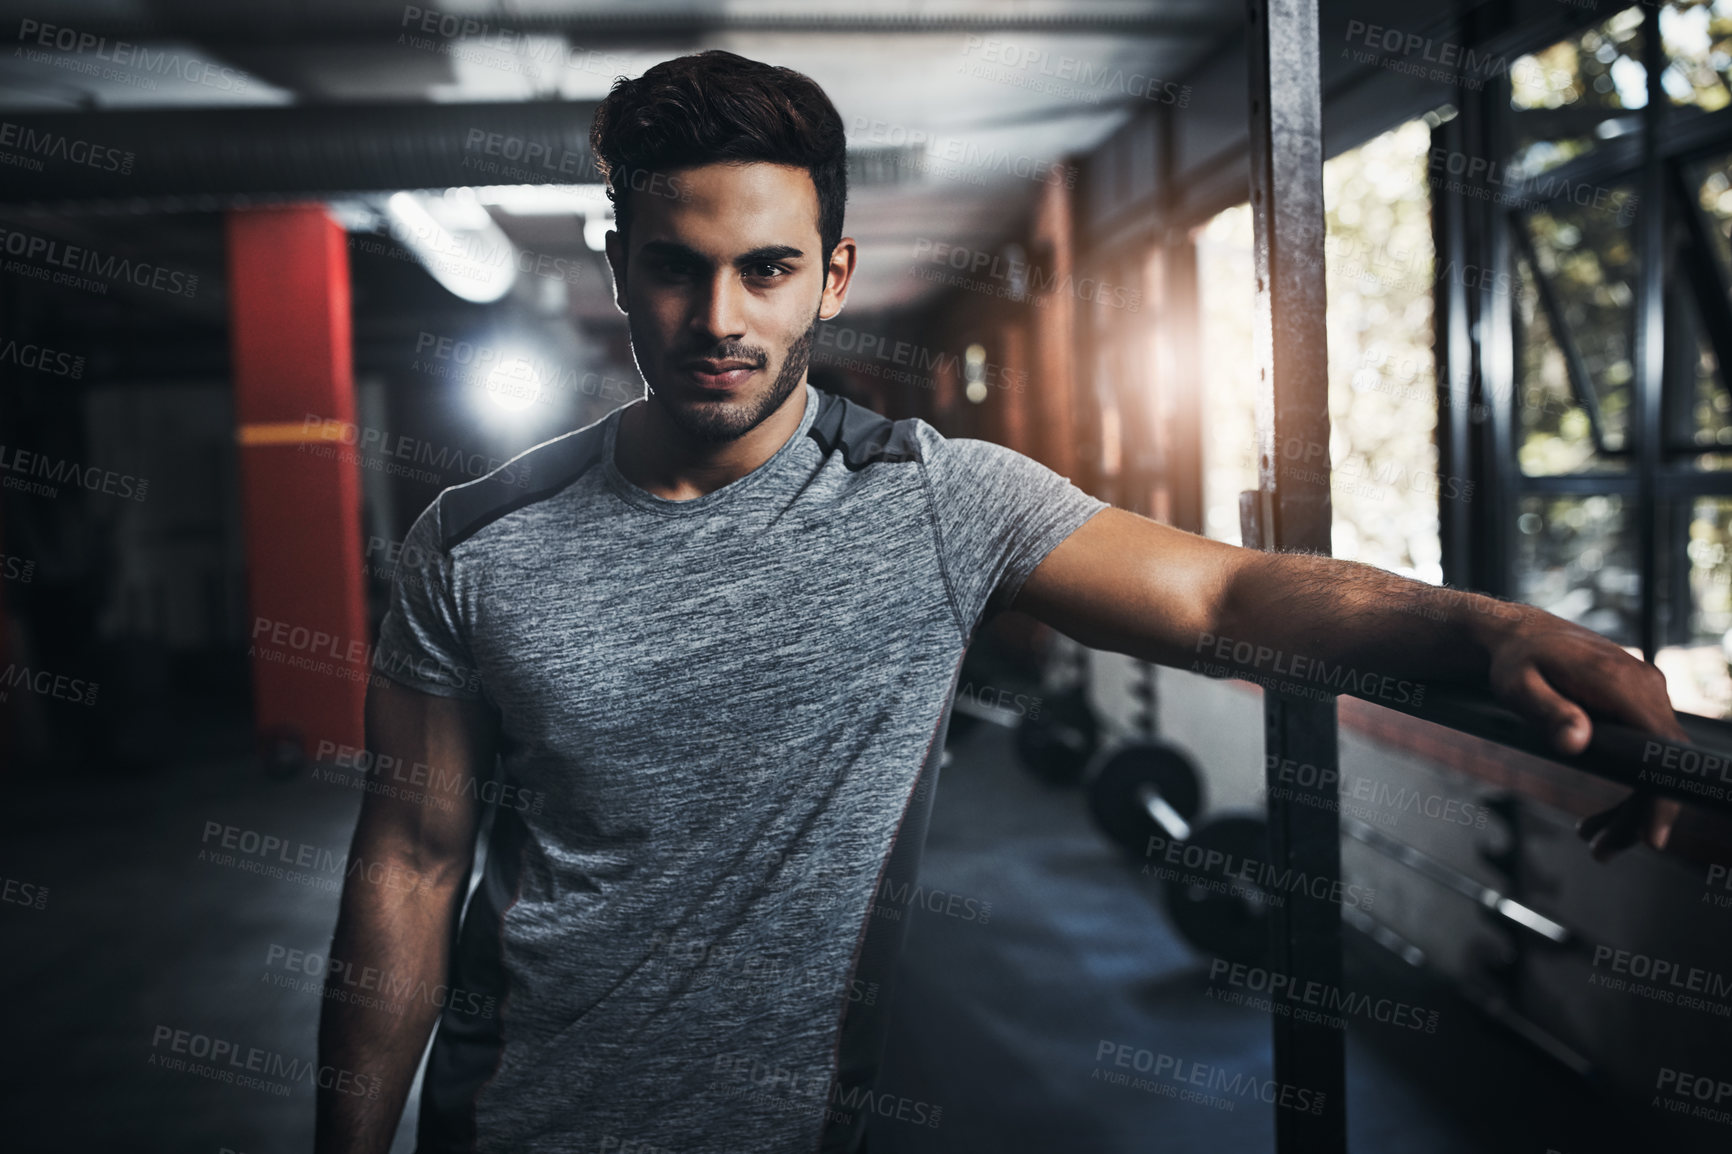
x=1287 y=207
x=1485 y=133
x=1650 y=321
x=1498 y=469
x=1455 y=364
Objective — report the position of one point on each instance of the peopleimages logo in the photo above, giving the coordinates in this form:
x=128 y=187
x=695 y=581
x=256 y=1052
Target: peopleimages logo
x=1309 y=1000
x=420 y=774
x=253 y=1067
x=1486 y=179
x=1327 y=788
x=43 y=683
x=1668 y=980
x=14 y=568
x=1246 y=660
x=891 y=899
x=341 y=981
x=42 y=359
x=22 y=893
x=1718 y=876
x=1013 y=278
x=325 y=434
x=74 y=259
x=315 y=649
x=1172 y=1069
x=1687 y=769
x=1258 y=880
x=1036 y=68
x=1696 y=1095
x=65 y=47
x=1409 y=53
x=35 y=145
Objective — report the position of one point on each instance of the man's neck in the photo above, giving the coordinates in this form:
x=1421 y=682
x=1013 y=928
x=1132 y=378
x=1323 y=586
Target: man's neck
x=660 y=458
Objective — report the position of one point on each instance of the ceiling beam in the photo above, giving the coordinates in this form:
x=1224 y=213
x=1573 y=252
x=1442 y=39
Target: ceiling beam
x=212 y=158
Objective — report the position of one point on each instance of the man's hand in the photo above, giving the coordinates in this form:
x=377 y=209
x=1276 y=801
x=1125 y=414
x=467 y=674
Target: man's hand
x=1556 y=674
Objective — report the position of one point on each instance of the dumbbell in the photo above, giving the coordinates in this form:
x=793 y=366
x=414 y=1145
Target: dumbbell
x=1150 y=788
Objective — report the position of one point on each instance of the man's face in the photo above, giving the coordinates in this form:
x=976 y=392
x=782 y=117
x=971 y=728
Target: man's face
x=722 y=288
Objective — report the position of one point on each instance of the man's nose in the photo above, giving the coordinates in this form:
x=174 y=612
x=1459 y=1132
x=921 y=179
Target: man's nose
x=722 y=312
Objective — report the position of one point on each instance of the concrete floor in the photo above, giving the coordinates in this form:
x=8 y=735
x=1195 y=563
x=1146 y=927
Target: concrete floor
x=998 y=1021
x=1000 y=1024
x=137 y=934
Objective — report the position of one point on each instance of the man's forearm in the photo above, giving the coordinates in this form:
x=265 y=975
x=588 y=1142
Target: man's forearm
x=1302 y=623
x=1309 y=613
x=400 y=939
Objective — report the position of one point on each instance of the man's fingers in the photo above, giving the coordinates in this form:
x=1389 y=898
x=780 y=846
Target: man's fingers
x=1531 y=695
x=1617 y=829
x=1663 y=815
x=1589 y=827
x=1628 y=691
x=1643 y=816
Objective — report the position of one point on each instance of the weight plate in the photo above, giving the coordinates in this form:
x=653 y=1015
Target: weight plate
x=1115 y=793
x=1210 y=905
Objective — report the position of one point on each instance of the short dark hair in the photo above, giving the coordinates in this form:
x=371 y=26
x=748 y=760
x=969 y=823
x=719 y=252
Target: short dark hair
x=717 y=107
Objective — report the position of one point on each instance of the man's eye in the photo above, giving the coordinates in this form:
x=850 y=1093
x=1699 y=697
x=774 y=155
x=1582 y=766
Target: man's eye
x=766 y=271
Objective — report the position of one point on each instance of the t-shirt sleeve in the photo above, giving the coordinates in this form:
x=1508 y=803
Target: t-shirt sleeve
x=421 y=639
x=999 y=514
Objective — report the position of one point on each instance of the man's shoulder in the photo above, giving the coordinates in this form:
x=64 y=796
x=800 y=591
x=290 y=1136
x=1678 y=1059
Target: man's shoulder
x=865 y=437
x=535 y=474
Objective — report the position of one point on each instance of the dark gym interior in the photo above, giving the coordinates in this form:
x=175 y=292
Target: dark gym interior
x=1059 y=207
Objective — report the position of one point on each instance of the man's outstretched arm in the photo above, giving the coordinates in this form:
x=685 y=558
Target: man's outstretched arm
x=399 y=908
x=1130 y=585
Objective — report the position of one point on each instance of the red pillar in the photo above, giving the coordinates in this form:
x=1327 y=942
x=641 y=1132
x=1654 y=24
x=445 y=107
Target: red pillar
x=288 y=274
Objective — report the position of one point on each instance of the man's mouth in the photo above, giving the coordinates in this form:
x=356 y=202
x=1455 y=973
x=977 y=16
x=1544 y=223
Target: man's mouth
x=725 y=374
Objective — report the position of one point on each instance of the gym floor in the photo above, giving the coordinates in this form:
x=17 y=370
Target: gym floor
x=999 y=1018
x=1000 y=1024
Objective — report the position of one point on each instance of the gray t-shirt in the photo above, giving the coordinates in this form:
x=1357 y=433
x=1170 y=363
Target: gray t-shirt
x=721 y=725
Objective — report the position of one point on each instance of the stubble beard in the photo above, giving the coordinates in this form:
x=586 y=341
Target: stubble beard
x=721 y=421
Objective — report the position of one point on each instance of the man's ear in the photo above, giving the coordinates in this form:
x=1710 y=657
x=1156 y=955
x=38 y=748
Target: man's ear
x=615 y=249
x=837 y=275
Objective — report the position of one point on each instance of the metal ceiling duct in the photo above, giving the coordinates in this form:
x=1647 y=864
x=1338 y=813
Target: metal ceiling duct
x=211 y=158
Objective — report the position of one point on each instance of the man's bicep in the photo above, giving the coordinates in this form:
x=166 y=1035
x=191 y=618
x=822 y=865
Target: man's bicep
x=1124 y=583
x=429 y=755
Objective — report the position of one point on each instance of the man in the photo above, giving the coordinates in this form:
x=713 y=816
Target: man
x=713 y=652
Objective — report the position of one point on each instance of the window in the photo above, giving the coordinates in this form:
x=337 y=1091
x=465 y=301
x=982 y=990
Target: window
x=1382 y=383
x=1620 y=525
